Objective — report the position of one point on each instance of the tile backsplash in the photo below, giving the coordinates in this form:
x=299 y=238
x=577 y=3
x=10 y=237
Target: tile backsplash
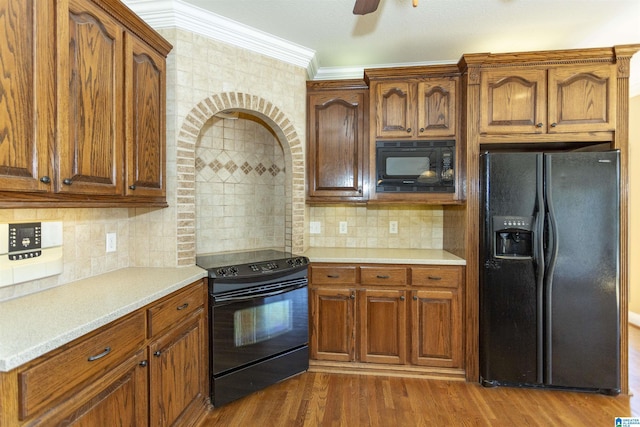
x=418 y=227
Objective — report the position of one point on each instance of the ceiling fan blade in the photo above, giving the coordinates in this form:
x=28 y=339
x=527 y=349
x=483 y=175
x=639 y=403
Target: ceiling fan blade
x=362 y=7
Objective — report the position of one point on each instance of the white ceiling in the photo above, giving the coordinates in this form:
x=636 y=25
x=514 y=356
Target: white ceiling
x=336 y=42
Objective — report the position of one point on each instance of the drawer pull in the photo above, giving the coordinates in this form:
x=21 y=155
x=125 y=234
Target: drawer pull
x=415 y=298
x=106 y=351
x=183 y=306
x=157 y=353
x=382 y=276
x=401 y=297
x=333 y=276
x=144 y=363
x=435 y=278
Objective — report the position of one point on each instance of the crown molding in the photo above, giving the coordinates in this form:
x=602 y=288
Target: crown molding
x=161 y=14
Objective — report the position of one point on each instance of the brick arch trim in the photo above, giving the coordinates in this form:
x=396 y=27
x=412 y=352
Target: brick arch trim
x=185 y=164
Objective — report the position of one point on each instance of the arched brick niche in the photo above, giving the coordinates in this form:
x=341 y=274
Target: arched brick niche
x=185 y=164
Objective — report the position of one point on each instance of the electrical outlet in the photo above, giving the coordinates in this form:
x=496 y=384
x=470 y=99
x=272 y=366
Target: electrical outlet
x=343 y=227
x=314 y=227
x=111 y=242
x=393 y=227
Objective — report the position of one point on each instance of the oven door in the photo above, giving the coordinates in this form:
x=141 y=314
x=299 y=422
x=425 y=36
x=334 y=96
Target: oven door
x=254 y=324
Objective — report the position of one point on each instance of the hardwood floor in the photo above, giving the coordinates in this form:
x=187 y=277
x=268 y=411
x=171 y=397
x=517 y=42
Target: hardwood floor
x=316 y=399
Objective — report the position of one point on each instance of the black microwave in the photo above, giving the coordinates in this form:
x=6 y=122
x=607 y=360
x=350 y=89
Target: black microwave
x=415 y=166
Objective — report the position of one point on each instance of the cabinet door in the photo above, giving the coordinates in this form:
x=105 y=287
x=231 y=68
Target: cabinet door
x=436 y=328
x=336 y=151
x=437 y=107
x=394 y=105
x=177 y=372
x=513 y=101
x=90 y=109
x=145 y=115
x=582 y=98
x=332 y=329
x=382 y=326
x=119 y=398
x=27 y=95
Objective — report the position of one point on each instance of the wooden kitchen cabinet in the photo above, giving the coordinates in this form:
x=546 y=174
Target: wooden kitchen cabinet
x=387 y=318
x=178 y=356
x=415 y=109
x=95 y=131
x=548 y=100
x=436 y=316
x=337 y=144
x=148 y=368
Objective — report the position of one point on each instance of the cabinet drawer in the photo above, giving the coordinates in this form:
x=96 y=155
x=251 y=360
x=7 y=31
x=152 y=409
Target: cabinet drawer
x=178 y=306
x=439 y=277
x=383 y=276
x=324 y=275
x=85 y=361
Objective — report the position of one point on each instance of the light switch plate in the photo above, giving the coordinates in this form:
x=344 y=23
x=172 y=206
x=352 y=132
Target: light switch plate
x=314 y=227
x=343 y=227
x=111 y=242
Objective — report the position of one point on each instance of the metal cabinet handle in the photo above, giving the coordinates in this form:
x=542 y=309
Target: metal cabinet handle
x=333 y=276
x=415 y=297
x=45 y=179
x=408 y=130
x=183 y=306
x=143 y=363
x=434 y=278
x=554 y=125
x=421 y=130
x=106 y=351
x=401 y=297
x=132 y=187
x=539 y=125
x=67 y=181
x=156 y=353
x=382 y=276
x=352 y=296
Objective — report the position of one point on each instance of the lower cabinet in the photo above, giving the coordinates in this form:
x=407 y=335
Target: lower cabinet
x=395 y=316
x=147 y=368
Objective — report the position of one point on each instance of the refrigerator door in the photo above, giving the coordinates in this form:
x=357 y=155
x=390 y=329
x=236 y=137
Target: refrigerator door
x=510 y=316
x=582 y=340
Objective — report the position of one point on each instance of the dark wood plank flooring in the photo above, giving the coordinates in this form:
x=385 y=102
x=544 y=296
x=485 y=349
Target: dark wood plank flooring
x=315 y=399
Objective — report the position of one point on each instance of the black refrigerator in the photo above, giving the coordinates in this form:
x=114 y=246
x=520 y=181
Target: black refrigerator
x=549 y=270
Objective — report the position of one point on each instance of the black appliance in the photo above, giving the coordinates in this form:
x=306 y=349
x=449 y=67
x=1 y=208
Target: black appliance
x=259 y=323
x=549 y=260
x=415 y=166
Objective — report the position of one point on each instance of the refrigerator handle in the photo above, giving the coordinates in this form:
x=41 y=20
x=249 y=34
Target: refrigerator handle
x=553 y=243
x=539 y=259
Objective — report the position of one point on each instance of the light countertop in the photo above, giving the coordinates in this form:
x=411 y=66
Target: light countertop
x=32 y=325
x=383 y=256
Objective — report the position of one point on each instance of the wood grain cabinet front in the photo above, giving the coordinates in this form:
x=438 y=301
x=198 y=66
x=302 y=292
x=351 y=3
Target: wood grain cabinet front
x=95 y=132
x=548 y=100
x=387 y=318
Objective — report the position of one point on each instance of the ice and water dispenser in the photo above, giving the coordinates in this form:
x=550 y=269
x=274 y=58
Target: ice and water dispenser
x=512 y=237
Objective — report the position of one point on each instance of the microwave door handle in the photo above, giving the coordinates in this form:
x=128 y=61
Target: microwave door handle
x=254 y=295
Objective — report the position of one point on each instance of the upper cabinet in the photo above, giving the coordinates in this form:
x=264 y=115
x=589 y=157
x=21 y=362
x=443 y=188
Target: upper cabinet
x=548 y=100
x=337 y=143
x=415 y=108
x=86 y=106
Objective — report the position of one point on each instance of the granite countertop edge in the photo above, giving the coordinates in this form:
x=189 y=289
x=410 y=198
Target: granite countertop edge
x=35 y=324
x=382 y=256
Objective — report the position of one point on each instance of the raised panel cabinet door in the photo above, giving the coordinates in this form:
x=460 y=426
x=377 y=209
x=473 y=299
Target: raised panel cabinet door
x=336 y=144
x=90 y=109
x=119 y=398
x=177 y=373
x=437 y=107
x=582 y=98
x=436 y=328
x=394 y=109
x=26 y=95
x=382 y=326
x=146 y=120
x=513 y=101
x=332 y=329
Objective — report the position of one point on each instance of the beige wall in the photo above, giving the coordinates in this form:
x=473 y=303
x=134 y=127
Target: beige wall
x=634 y=204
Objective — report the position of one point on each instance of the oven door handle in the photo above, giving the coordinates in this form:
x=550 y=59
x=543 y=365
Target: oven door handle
x=248 y=297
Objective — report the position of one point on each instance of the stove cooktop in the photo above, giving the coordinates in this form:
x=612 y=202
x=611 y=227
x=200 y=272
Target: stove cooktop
x=250 y=263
